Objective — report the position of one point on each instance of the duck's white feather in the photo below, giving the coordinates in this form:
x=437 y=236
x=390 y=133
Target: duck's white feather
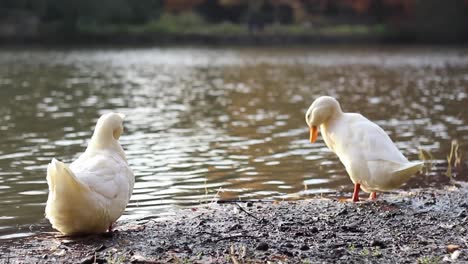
x=113 y=171
x=91 y=193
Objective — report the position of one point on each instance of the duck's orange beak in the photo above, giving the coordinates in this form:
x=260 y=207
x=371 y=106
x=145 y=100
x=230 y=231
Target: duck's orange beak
x=313 y=134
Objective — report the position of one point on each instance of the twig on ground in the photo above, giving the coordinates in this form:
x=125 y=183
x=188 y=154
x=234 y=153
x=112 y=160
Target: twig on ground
x=249 y=214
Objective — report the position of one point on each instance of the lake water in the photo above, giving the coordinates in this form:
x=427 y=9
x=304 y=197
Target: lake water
x=207 y=124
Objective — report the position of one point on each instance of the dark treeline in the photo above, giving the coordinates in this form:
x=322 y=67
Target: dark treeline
x=427 y=20
x=66 y=16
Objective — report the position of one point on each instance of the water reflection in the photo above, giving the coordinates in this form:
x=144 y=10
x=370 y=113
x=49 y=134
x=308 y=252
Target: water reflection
x=216 y=123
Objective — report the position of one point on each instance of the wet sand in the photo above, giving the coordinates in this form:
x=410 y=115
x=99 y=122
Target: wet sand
x=421 y=226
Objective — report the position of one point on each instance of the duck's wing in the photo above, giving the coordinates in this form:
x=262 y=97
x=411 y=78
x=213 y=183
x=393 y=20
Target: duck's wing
x=105 y=175
x=374 y=143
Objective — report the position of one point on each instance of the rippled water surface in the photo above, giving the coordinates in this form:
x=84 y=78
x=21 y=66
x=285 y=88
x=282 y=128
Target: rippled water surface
x=206 y=124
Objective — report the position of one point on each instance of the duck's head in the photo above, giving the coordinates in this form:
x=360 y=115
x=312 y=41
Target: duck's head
x=109 y=126
x=320 y=111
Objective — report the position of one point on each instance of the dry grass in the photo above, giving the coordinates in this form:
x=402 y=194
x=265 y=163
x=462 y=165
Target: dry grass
x=427 y=158
x=453 y=159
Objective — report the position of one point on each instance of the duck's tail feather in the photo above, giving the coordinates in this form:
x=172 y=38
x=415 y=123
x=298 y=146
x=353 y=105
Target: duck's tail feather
x=403 y=173
x=61 y=179
x=64 y=188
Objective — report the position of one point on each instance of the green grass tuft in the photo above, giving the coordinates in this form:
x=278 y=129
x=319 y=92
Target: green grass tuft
x=429 y=260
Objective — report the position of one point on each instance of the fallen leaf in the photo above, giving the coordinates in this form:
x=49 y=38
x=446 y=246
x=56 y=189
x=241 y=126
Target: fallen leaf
x=451 y=248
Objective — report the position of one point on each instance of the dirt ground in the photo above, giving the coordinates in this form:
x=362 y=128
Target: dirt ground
x=421 y=226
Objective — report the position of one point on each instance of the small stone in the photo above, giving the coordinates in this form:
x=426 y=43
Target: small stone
x=60 y=253
x=455 y=255
x=342 y=212
x=249 y=204
x=299 y=234
x=304 y=247
x=462 y=214
x=289 y=245
x=140 y=259
x=287 y=253
x=313 y=229
x=262 y=246
x=377 y=243
x=87 y=260
x=350 y=228
x=423 y=242
x=451 y=248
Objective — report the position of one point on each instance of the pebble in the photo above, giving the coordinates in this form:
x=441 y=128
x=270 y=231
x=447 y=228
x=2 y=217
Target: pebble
x=342 y=212
x=313 y=229
x=462 y=214
x=289 y=245
x=287 y=253
x=304 y=247
x=88 y=260
x=298 y=234
x=262 y=246
x=455 y=255
x=377 y=243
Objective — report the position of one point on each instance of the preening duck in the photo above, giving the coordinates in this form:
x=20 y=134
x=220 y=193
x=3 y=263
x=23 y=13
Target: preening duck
x=371 y=159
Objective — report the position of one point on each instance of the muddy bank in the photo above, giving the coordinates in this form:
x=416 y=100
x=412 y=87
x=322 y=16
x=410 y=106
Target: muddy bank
x=425 y=226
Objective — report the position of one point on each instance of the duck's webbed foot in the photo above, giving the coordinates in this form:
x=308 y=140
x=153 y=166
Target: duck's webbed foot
x=373 y=196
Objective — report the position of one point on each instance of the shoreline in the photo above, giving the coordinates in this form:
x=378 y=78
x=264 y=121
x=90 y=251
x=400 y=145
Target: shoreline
x=148 y=39
x=419 y=226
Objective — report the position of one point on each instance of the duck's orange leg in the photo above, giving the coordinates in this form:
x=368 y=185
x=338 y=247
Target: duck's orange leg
x=373 y=196
x=357 y=188
x=110 y=228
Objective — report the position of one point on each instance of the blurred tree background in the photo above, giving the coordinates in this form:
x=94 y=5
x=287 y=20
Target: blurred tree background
x=400 y=20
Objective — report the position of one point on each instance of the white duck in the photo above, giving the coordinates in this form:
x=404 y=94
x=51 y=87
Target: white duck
x=371 y=159
x=92 y=193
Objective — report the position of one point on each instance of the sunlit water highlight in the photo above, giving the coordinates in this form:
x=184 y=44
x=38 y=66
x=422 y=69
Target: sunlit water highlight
x=206 y=124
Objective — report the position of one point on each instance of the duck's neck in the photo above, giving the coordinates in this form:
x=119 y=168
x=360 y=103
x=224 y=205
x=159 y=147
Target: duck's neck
x=103 y=140
x=331 y=120
x=335 y=115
